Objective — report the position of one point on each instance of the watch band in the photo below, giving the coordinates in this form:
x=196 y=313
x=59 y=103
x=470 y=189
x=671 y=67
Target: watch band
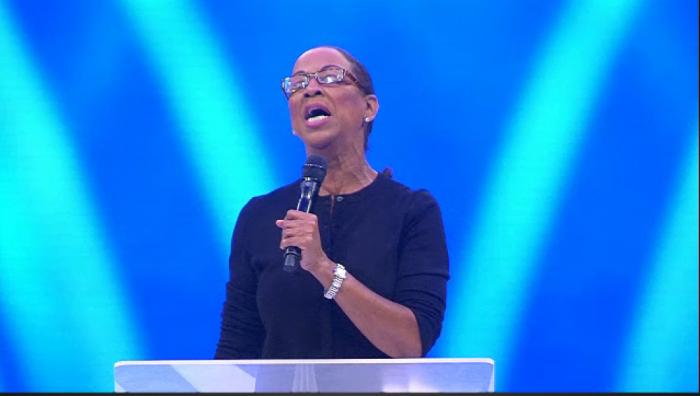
x=339 y=275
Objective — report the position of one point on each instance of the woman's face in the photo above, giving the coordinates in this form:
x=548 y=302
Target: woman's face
x=325 y=115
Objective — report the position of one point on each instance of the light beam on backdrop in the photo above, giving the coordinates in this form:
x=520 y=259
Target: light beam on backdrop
x=65 y=312
x=522 y=195
x=214 y=121
x=662 y=348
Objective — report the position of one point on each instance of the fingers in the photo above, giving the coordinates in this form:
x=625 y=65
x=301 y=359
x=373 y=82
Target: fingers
x=299 y=215
x=297 y=233
x=296 y=217
x=300 y=241
x=298 y=229
x=292 y=229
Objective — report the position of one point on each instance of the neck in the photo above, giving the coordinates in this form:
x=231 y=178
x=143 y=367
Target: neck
x=347 y=173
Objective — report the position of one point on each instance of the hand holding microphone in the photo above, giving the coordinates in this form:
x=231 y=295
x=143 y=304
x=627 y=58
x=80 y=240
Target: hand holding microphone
x=300 y=227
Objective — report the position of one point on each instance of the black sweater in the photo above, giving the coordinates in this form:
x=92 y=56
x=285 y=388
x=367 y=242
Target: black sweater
x=388 y=236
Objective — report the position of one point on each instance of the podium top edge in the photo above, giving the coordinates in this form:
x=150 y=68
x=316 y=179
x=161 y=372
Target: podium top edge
x=302 y=361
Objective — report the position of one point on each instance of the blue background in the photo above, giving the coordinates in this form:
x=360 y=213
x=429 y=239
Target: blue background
x=559 y=137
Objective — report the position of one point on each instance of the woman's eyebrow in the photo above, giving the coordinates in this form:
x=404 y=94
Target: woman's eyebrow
x=327 y=66
x=323 y=68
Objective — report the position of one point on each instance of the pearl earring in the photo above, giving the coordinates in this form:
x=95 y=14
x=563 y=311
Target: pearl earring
x=366 y=119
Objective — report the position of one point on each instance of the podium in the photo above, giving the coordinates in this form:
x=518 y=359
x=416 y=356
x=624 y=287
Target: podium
x=306 y=375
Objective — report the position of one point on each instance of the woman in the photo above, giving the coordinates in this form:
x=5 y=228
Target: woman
x=374 y=248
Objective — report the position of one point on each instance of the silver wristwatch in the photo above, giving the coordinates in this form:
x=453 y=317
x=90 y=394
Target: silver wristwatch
x=339 y=275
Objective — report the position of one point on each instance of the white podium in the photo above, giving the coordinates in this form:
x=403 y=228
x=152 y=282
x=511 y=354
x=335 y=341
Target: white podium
x=306 y=375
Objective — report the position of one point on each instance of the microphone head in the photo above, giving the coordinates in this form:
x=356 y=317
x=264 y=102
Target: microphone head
x=315 y=168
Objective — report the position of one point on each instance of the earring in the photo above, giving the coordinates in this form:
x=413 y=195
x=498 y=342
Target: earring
x=294 y=132
x=366 y=119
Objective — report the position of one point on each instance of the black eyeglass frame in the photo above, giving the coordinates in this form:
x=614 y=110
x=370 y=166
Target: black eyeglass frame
x=315 y=75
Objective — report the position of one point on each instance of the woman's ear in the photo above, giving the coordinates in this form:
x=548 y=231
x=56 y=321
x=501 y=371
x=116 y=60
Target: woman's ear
x=372 y=107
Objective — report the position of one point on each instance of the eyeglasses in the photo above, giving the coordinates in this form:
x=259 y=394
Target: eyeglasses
x=331 y=75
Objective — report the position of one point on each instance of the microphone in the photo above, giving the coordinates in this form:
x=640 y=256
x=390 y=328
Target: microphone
x=313 y=173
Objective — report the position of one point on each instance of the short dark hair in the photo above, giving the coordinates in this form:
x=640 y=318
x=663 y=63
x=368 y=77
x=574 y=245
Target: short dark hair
x=364 y=82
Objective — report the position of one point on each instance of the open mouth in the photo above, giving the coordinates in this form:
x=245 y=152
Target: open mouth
x=317 y=113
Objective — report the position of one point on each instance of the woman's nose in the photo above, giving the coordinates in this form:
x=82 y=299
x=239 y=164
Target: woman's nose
x=313 y=89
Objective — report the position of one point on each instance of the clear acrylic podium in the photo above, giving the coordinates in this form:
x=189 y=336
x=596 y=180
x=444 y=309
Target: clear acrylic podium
x=325 y=375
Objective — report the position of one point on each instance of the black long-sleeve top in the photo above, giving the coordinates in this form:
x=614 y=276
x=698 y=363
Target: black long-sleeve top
x=389 y=237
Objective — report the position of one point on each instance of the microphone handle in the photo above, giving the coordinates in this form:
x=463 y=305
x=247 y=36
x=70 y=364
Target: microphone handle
x=292 y=255
x=309 y=190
